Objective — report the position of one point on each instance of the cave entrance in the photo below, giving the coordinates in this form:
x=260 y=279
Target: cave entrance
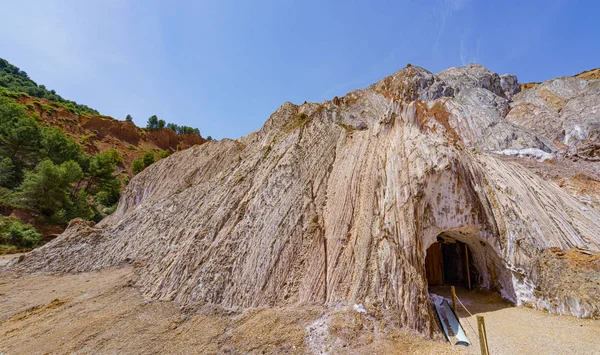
x=448 y=262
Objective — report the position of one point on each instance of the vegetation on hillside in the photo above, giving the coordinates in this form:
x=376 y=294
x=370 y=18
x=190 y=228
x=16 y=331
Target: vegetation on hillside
x=138 y=165
x=46 y=176
x=17 y=81
x=154 y=123
x=46 y=173
x=15 y=235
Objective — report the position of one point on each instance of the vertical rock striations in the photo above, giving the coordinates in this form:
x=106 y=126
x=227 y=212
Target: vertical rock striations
x=338 y=202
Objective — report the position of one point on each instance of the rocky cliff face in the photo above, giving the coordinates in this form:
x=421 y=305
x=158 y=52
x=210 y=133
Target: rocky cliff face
x=338 y=202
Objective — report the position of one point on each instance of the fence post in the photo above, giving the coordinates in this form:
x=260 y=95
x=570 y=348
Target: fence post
x=482 y=336
x=453 y=290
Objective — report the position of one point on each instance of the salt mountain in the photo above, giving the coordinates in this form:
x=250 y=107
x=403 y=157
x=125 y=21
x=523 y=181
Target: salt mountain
x=338 y=202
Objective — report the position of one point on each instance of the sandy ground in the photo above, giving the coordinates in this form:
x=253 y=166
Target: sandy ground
x=102 y=313
x=4 y=259
x=521 y=330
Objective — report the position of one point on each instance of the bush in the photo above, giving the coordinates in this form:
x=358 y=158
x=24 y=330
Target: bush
x=148 y=159
x=137 y=166
x=50 y=191
x=163 y=154
x=14 y=232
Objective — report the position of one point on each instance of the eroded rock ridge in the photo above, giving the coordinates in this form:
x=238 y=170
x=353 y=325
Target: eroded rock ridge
x=338 y=202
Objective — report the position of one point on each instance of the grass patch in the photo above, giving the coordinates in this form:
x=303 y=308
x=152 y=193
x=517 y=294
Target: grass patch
x=300 y=121
x=348 y=128
x=87 y=138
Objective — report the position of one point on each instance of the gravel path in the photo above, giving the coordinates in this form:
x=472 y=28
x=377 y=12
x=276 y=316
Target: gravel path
x=521 y=330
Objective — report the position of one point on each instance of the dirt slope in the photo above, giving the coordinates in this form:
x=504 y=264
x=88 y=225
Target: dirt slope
x=98 y=133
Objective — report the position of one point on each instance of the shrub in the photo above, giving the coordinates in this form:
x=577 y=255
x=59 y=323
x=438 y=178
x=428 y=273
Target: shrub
x=163 y=154
x=86 y=138
x=148 y=159
x=14 y=232
x=137 y=166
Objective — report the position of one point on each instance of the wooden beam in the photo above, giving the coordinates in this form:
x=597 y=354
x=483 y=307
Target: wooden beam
x=483 y=344
x=442 y=263
x=453 y=290
x=468 y=269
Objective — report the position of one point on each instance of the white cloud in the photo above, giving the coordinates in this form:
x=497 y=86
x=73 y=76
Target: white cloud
x=469 y=49
x=445 y=9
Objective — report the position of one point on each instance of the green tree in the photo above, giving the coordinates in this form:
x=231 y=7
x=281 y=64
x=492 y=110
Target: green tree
x=137 y=166
x=8 y=172
x=172 y=126
x=152 y=123
x=50 y=191
x=209 y=138
x=19 y=134
x=129 y=118
x=109 y=194
x=58 y=147
x=103 y=184
x=148 y=159
x=114 y=155
x=99 y=171
x=160 y=124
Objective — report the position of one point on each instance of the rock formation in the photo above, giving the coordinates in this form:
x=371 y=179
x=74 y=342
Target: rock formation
x=338 y=202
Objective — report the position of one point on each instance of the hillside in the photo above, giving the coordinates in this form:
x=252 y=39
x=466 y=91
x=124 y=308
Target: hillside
x=40 y=132
x=96 y=133
x=17 y=81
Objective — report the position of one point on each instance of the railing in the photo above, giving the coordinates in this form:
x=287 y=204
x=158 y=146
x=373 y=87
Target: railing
x=483 y=342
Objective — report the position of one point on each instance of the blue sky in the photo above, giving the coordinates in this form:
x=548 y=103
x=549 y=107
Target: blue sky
x=225 y=66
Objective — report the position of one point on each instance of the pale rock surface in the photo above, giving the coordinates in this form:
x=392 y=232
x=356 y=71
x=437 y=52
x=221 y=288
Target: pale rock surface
x=337 y=203
x=566 y=110
x=473 y=76
x=510 y=85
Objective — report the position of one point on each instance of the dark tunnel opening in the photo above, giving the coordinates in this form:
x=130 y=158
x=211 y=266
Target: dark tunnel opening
x=449 y=262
